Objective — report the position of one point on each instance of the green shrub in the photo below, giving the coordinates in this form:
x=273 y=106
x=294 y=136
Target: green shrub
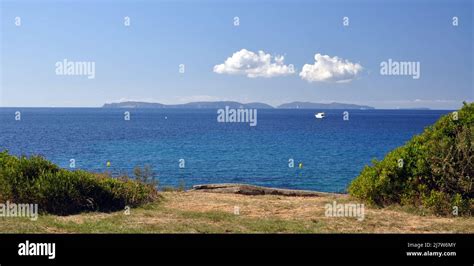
x=438 y=202
x=59 y=191
x=437 y=169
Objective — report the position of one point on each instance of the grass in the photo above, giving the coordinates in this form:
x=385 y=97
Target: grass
x=200 y=212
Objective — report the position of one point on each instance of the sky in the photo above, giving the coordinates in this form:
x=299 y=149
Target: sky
x=278 y=52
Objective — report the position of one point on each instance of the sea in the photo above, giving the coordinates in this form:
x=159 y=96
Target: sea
x=288 y=148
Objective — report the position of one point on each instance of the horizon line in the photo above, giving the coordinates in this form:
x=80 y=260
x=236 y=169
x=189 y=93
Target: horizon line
x=233 y=101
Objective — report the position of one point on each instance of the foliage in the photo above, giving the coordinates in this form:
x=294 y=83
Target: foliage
x=60 y=191
x=437 y=169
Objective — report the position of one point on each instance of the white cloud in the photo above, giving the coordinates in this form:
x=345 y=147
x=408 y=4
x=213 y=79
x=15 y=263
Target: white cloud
x=253 y=65
x=330 y=69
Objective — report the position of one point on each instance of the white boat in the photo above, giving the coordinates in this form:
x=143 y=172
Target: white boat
x=320 y=115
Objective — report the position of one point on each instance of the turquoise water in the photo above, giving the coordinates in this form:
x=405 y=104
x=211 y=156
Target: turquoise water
x=332 y=151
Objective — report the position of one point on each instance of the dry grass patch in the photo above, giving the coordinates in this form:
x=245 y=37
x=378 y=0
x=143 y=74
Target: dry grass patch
x=201 y=212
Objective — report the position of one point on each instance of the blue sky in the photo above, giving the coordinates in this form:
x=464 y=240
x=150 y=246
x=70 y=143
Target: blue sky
x=141 y=62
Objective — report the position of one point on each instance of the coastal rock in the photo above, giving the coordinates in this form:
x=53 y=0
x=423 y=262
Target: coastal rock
x=256 y=190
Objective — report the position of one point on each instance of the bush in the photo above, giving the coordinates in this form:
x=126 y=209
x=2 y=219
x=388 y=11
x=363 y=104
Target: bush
x=437 y=169
x=145 y=175
x=59 y=191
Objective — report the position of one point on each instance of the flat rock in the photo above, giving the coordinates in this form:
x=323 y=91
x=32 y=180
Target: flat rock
x=256 y=190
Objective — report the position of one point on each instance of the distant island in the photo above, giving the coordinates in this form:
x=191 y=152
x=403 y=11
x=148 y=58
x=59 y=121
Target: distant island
x=310 y=105
x=232 y=104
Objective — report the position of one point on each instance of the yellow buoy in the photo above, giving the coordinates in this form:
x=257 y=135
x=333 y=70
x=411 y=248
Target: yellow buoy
x=108 y=164
x=300 y=165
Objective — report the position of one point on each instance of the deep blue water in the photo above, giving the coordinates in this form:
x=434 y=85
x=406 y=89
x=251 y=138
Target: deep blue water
x=333 y=151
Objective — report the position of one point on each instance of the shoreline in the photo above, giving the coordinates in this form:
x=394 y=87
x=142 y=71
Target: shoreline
x=252 y=190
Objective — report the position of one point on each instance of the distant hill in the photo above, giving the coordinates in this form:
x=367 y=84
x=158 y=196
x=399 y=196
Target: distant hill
x=133 y=105
x=193 y=105
x=231 y=104
x=309 y=105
